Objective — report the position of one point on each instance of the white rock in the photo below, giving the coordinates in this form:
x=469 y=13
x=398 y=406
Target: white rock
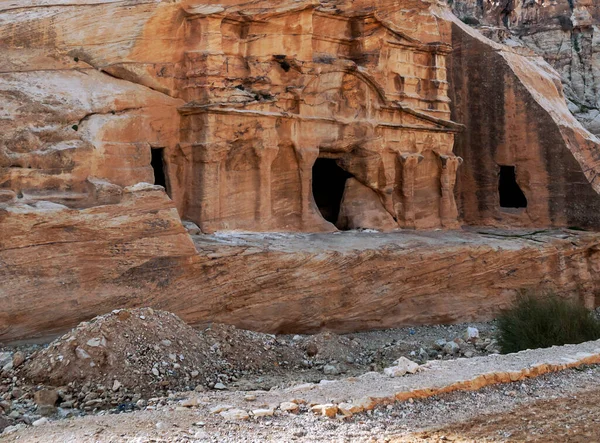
x=263 y=412
x=81 y=353
x=288 y=406
x=155 y=372
x=220 y=386
x=471 y=334
x=249 y=397
x=219 y=408
x=235 y=414
x=194 y=374
x=411 y=366
x=96 y=342
x=402 y=366
x=40 y=421
x=116 y=385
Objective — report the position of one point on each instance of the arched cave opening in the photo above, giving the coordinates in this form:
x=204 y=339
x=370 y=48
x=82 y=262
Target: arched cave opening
x=511 y=195
x=328 y=184
x=158 y=166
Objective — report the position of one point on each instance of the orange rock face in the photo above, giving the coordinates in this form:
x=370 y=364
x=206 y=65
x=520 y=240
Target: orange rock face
x=293 y=116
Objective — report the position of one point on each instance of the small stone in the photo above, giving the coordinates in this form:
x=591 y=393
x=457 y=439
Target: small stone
x=82 y=353
x=311 y=349
x=40 y=421
x=468 y=354
x=47 y=397
x=330 y=370
x=191 y=227
x=160 y=425
x=439 y=344
x=402 y=366
x=116 y=385
x=194 y=374
x=235 y=414
x=190 y=402
x=249 y=397
x=96 y=342
x=327 y=410
x=141 y=403
x=263 y=412
x=5 y=358
x=219 y=408
x=297 y=338
x=46 y=410
x=18 y=359
x=13 y=429
x=451 y=348
x=288 y=406
x=166 y=342
x=155 y=372
x=220 y=387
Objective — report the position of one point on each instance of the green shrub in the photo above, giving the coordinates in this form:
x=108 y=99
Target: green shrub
x=544 y=321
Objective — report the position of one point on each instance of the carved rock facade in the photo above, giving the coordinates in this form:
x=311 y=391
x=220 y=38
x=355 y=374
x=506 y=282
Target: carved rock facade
x=304 y=116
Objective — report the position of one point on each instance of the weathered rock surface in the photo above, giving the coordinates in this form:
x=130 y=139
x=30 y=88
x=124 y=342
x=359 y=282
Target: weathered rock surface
x=251 y=115
x=564 y=32
x=141 y=254
x=518 y=129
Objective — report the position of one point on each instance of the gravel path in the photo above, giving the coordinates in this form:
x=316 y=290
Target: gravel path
x=402 y=422
x=457 y=413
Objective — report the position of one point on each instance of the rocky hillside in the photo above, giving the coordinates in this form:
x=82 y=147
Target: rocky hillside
x=564 y=32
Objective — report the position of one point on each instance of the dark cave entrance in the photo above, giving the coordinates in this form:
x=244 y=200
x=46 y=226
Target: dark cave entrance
x=511 y=195
x=158 y=166
x=329 y=181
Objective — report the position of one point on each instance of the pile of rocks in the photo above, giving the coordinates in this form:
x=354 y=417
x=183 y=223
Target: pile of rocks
x=467 y=346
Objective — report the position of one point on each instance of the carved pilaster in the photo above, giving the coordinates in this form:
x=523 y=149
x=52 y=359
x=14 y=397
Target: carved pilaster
x=448 y=210
x=406 y=211
x=306 y=159
x=207 y=182
x=266 y=156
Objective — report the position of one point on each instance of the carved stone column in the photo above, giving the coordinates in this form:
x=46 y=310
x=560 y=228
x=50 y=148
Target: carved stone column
x=406 y=213
x=306 y=159
x=448 y=210
x=266 y=156
x=207 y=181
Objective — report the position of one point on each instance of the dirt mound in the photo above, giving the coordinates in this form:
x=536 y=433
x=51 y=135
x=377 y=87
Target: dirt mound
x=248 y=351
x=148 y=351
x=139 y=349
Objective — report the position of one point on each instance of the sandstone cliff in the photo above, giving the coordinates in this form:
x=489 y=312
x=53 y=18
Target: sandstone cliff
x=564 y=32
x=301 y=116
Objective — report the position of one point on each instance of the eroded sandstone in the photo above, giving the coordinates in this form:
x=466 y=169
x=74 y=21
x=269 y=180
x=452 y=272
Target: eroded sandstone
x=304 y=116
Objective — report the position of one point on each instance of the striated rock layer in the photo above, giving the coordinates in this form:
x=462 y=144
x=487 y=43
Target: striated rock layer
x=62 y=266
x=299 y=116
